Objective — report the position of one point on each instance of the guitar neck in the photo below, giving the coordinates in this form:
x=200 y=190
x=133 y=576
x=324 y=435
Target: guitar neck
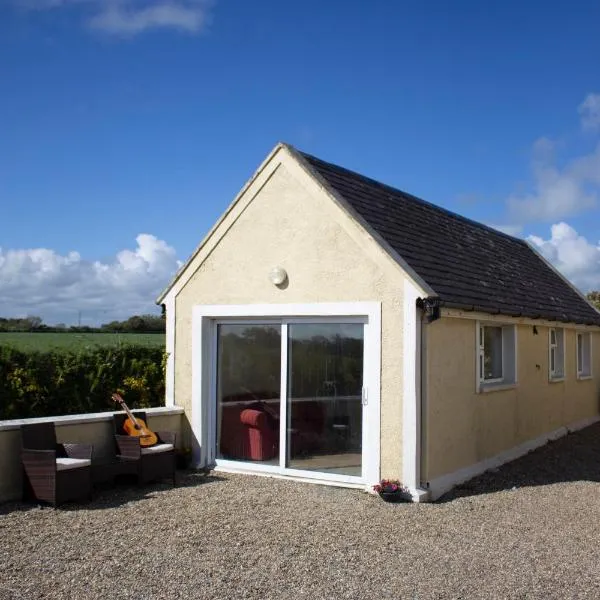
x=129 y=413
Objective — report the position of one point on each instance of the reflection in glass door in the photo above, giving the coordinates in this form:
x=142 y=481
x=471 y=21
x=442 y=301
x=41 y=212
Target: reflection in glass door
x=317 y=424
x=324 y=397
x=248 y=392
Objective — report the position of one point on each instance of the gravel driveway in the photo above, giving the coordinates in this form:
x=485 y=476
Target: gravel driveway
x=529 y=530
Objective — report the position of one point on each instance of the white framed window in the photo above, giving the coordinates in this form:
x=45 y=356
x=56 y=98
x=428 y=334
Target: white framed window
x=584 y=355
x=491 y=354
x=556 y=358
x=496 y=357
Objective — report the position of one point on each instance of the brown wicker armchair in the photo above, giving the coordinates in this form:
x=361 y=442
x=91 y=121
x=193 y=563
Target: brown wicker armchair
x=153 y=463
x=53 y=472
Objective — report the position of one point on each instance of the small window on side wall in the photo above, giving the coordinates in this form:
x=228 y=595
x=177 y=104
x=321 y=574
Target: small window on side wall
x=496 y=364
x=584 y=355
x=557 y=353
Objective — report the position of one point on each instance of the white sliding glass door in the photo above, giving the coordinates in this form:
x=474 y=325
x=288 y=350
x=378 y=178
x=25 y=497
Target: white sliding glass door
x=248 y=392
x=324 y=397
x=289 y=395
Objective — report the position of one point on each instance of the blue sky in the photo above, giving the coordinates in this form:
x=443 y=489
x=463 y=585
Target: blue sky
x=118 y=117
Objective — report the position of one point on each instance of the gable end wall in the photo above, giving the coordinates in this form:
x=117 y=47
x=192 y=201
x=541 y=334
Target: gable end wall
x=293 y=224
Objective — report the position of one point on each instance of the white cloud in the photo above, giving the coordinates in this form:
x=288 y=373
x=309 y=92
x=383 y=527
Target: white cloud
x=587 y=168
x=561 y=190
x=44 y=283
x=131 y=17
x=127 y=20
x=572 y=255
x=589 y=110
x=558 y=191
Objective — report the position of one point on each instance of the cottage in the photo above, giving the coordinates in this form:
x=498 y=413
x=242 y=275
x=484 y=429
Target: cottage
x=337 y=330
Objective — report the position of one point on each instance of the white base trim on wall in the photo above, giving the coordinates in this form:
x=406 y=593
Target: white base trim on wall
x=443 y=484
x=419 y=495
x=416 y=494
x=250 y=471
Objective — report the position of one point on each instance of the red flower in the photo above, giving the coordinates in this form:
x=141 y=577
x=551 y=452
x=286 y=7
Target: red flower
x=388 y=485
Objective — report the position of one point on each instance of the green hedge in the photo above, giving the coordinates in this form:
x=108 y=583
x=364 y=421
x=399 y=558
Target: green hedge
x=61 y=382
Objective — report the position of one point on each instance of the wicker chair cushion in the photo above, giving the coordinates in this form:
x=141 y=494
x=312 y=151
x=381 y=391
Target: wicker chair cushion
x=157 y=448
x=63 y=464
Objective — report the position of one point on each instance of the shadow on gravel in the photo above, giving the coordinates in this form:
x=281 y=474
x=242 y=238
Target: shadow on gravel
x=13 y=507
x=123 y=491
x=575 y=457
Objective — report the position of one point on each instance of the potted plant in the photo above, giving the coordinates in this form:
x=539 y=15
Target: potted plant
x=391 y=490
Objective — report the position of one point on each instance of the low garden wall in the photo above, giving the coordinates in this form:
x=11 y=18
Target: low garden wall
x=92 y=428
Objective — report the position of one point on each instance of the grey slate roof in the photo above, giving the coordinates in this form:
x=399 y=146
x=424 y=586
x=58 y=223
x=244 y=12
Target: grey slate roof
x=468 y=265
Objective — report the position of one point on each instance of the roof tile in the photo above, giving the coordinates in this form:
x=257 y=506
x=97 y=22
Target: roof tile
x=468 y=264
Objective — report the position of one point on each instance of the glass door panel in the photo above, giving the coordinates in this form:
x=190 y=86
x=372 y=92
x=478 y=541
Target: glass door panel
x=324 y=397
x=248 y=392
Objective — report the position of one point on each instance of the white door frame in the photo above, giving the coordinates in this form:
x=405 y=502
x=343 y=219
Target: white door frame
x=204 y=320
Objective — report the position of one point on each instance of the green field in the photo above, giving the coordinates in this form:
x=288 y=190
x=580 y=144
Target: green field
x=77 y=341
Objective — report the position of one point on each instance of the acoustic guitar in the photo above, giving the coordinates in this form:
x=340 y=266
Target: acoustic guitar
x=135 y=426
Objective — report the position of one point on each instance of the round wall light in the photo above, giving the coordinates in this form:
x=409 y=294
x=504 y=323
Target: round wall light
x=277 y=275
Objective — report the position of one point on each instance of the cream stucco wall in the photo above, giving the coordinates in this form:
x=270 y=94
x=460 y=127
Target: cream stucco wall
x=292 y=223
x=464 y=427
